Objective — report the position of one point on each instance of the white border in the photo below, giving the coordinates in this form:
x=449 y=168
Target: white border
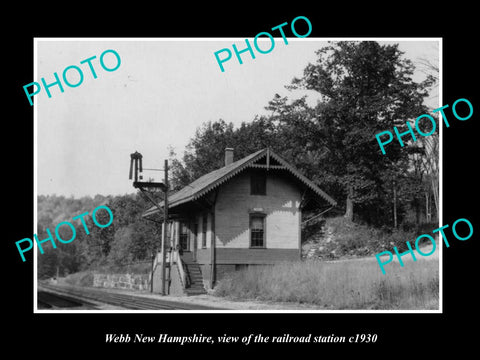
x=440 y=98
x=35 y=167
x=440 y=173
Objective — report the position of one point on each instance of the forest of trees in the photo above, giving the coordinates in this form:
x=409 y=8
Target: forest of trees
x=364 y=88
x=129 y=239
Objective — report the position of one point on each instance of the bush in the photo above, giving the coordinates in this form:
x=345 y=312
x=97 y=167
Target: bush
x=84 y=278
x=352 y=239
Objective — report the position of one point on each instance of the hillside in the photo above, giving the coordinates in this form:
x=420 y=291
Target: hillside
x=338 y=238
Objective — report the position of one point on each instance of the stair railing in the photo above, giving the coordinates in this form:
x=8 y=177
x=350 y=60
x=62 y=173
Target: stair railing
x=181 y=270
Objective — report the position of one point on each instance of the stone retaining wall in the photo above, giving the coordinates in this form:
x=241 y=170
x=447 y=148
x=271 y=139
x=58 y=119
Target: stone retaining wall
x=122 y=281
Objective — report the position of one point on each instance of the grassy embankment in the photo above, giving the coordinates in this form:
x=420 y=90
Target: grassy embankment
x=342 y=285
x=350 y=284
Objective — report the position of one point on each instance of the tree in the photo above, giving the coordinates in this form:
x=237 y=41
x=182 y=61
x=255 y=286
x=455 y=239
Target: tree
x=431 y=145
x=205 y=151
x=203 y=154
x=129 y=238
x=365 y=88
x=296 y=134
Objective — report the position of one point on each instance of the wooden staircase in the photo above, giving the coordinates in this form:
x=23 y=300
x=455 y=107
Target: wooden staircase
x=194 y=275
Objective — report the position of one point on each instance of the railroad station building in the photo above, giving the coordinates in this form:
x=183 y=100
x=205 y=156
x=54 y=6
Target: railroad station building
x=249 y=212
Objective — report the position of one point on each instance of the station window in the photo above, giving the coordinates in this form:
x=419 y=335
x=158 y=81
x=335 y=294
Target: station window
x=257 y=231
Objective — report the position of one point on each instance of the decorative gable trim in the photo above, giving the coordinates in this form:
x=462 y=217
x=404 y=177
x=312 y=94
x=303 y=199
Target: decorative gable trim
x=215 y=179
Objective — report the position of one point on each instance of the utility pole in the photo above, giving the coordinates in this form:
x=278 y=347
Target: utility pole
x=151 y=277
x=165 y=220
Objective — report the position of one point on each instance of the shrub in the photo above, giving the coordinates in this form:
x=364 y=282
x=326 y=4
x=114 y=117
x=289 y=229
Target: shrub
x=84 y=278
x=354 y=239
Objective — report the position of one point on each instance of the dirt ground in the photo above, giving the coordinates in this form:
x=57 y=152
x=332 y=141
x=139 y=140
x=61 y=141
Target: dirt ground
x=224 y=304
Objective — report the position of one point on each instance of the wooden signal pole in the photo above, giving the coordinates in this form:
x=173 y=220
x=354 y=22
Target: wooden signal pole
x=165 y=221
x=136 y=164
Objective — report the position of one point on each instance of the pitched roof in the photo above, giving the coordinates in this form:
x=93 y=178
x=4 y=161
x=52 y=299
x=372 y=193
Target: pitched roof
x=212 y=180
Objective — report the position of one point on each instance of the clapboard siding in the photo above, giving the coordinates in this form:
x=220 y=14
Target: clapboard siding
x=280 y=205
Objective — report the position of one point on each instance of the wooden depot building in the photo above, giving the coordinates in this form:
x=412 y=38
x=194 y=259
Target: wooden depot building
x=249 y=212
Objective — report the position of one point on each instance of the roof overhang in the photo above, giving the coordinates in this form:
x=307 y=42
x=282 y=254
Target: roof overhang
x=220 y=176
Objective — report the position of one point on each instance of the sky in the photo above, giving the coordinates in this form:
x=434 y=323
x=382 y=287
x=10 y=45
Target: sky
x=163 y=90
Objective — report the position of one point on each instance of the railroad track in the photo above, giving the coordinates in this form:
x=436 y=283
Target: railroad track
x=126 y=301
x=53 y=300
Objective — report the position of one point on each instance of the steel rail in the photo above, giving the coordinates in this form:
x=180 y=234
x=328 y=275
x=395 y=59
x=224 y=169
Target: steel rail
x=132 y=302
